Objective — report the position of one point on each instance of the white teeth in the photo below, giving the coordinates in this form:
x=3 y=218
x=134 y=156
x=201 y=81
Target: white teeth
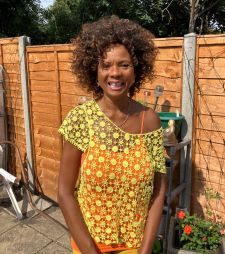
x=115 y=84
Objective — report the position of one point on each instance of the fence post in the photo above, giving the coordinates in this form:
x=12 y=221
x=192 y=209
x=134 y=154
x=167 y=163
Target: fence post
x=189 y=55
x=23 y=41
x=3 y=122
x=187 y=109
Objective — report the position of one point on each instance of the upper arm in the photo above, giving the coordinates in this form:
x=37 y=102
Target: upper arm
x=75 y=128
x=160 y=183
x=69 y=168
x=155 y=142
x=151 y=121
x=75 y=132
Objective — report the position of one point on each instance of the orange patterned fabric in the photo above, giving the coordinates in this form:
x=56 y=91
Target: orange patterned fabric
x=102 y=248
x=113 y=251
x=117 y=174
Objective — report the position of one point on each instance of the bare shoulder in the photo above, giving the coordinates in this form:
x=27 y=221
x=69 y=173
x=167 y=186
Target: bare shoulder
x=151 y=121
x=151 y=118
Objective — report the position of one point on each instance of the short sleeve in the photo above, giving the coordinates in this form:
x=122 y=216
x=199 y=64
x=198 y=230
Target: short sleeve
x=157 y=151
x=75 y=128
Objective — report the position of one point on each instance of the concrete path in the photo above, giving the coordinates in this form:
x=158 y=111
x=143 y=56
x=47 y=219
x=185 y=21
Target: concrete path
x=32 y=235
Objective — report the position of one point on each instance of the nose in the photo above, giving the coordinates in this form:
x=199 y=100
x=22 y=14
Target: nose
x=114 y=71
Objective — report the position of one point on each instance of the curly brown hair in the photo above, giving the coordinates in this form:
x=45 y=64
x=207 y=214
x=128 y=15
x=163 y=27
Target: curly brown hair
x=96 y=37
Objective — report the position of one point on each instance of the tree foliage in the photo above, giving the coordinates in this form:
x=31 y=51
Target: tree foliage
x=63 y=20
x=207 y=16
x=22 y=17
x=66 y=17
x=163 y=17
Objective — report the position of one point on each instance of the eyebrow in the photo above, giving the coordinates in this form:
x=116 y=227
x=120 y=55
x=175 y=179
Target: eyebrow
x=121 y=61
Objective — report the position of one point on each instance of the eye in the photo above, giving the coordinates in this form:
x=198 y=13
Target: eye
x=105 y=66
x=125 y=65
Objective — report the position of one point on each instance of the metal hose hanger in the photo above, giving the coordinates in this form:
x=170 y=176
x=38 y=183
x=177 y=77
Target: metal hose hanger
x=26 y=185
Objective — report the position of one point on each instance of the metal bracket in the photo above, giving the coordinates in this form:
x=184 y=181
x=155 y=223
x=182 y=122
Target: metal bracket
x=7 y=180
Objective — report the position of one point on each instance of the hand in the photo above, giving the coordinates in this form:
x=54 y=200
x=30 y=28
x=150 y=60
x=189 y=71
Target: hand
x=141 y=250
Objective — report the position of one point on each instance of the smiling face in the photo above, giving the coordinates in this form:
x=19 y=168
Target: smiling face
x=116 y=72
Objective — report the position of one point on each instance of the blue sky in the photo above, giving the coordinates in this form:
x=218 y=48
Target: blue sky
x=46 y=3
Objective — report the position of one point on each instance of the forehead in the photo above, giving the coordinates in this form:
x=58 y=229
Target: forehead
x=116 y=52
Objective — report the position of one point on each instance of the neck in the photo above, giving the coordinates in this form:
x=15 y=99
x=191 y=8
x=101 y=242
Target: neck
x=114 y=105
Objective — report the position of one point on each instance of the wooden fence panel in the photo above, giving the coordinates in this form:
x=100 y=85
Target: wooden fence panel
x=168 y=73
x=48 y=66
x=209 y=149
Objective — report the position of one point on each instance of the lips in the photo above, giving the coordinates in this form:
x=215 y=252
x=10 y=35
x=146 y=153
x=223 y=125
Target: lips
x=116 y=85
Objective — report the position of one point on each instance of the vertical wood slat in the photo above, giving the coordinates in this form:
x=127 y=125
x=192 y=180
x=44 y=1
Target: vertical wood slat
x=58 y=96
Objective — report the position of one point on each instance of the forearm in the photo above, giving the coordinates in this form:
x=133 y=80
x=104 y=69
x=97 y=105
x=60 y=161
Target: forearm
x=74 y=219
x=154 y=217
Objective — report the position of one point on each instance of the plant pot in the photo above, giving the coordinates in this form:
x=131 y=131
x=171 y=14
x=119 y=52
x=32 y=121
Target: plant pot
x=171 y=249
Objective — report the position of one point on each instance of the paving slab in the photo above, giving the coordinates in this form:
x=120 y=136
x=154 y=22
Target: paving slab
x=56 y=213
x=64 y=241
x=46 y=227
x=54 y=248
x=22 y=239
x=34 y=234
x=6 y=221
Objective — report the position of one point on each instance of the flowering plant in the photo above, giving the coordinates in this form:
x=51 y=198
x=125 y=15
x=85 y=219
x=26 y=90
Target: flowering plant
x=198 y=234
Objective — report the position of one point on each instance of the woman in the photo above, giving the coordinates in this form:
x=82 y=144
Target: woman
x=113 y=143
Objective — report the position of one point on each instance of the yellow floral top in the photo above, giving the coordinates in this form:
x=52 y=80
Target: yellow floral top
x=117 y=174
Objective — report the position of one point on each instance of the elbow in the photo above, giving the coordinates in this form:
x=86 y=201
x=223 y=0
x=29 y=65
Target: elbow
x=63 y=195
x=60 y=197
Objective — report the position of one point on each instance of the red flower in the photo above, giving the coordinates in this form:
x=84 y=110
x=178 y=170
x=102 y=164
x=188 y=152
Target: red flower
x=222 y=231
x=187 y=230
x=181 y=215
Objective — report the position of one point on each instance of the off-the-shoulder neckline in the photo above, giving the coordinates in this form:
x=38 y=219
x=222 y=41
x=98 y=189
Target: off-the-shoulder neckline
x=117 y=127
